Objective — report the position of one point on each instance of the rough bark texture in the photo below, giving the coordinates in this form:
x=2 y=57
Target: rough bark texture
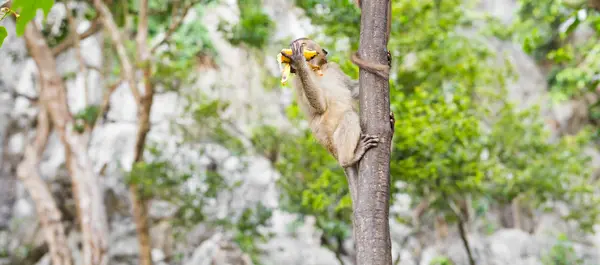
x=48 y=213
x=371 y=215
x=86 y=185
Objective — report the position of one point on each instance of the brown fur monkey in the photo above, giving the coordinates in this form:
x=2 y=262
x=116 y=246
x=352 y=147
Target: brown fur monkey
x=379 y=69
x=327 y=101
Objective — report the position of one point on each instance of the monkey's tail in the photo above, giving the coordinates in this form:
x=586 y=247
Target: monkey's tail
x=379 y=69
x=352 y=177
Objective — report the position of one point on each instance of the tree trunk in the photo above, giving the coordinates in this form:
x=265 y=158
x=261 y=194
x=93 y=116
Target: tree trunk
x=371 y=215
x=144 y=105
x=48 y=213
x=88 y=191
x=140 y=205
x=465 y=240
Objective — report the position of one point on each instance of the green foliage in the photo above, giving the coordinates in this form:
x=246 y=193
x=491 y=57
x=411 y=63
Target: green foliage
x=213 y=126
x=86 y=116
x=3 y=35
x=441 y=260
x=456 y=135
x=27 y=10
x=546 y=29
x=246 y=232
x=254 y=27
x=161 y=179
x=562 y=253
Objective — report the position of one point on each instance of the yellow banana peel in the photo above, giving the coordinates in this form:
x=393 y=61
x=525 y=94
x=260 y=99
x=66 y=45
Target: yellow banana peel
x=307 y=54
x=285 y=67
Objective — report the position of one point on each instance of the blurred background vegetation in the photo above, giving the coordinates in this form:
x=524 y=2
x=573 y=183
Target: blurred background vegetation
x=466 y=150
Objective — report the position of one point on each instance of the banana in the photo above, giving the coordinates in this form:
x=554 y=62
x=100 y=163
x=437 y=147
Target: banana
x=285 y=67
x=307 y=54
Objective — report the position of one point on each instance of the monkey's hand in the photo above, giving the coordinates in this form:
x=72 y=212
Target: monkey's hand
x=389 y=58
x=297 y=56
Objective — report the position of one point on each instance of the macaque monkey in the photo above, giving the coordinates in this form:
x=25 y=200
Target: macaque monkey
x=327 y=101
x=379 y=69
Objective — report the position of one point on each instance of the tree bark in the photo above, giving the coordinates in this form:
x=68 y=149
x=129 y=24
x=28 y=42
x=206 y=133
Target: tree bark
x=48 y=213
x=371 y=215
x=88 y=191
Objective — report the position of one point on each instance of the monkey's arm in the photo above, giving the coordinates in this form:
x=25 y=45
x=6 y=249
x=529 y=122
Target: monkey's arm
x=311 y=90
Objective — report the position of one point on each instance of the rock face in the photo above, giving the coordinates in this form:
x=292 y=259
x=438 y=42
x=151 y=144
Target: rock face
x=112 y=145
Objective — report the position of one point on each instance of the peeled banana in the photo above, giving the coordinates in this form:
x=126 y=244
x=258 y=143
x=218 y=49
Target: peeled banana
x=307 y=54
x=285 y=67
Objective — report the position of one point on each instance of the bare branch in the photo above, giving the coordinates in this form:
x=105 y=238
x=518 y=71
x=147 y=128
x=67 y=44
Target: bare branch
x=175 y=24
x=87 y=189
x=77 y=46
x=117 y=39
x=48 y=212
x=142 y=32
x=68 y=42
x=104 y=108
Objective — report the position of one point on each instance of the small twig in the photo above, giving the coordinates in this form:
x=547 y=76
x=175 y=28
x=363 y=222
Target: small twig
x=106 y=101
x=93 y=67
x=174 y=25
x=119 y=45
x=68 y=42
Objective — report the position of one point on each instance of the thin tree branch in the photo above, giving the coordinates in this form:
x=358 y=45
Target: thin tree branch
x=104 y=108
x=77 y=46
x=175 y=24
x=142 y=32
x=49 y=214
x=94 y=28
x=87 y=189
x=139 y=204
x=119 y=45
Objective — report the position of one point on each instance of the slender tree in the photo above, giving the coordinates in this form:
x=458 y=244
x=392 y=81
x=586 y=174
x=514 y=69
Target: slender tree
x=371 y=214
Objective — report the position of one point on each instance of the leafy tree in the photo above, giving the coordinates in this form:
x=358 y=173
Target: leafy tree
x=457 y=137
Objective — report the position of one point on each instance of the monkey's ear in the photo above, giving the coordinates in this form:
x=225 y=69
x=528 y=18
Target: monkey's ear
x=325 y=51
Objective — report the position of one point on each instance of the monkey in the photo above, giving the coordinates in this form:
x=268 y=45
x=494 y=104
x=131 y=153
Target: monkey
x=382 y=71
x=328 y=103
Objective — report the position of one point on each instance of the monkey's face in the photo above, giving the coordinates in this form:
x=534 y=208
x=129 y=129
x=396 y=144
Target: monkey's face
x=320 y=59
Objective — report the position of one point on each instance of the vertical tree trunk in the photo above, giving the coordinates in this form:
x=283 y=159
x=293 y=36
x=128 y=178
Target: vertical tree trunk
x=88 y=191
x=140 y=205
x=144 y=105
x=371 y=215
x=48 y=213
x=465 y=240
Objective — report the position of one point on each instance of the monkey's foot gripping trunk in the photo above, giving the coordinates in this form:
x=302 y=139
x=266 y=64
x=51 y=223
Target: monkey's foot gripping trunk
x=286 y=68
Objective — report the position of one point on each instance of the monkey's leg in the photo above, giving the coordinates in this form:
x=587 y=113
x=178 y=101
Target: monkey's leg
x=349 y=143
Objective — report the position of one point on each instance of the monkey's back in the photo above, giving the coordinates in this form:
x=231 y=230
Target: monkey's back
x=338 y=100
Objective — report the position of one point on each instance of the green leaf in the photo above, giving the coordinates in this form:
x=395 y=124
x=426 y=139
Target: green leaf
x=3 y=34
x=27 y=10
